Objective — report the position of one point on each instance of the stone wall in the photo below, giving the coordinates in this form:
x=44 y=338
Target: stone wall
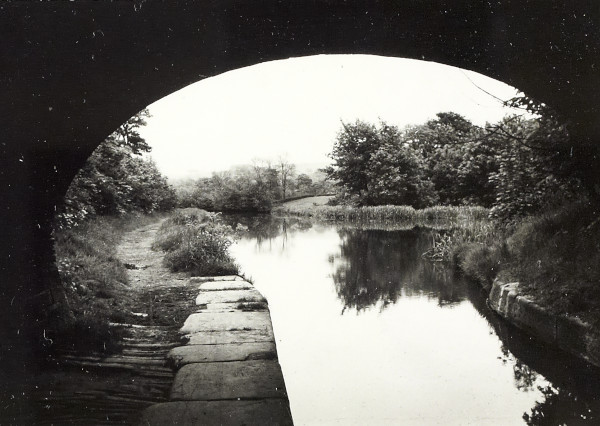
x=568 y=333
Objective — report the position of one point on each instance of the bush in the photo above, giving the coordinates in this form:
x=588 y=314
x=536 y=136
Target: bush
x=196 y=241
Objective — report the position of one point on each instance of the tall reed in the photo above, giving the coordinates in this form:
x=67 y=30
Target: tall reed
x=436 y=216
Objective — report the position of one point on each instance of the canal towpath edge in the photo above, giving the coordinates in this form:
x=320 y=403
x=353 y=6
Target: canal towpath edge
x=227 y=372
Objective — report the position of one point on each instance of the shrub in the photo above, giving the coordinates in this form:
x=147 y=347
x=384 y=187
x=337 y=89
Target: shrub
x=196 y=241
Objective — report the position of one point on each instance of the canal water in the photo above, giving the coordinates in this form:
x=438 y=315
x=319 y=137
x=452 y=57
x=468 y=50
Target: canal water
x=370 y=333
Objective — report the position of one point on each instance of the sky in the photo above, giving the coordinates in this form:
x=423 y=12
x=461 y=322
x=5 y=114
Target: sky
x=294 y=108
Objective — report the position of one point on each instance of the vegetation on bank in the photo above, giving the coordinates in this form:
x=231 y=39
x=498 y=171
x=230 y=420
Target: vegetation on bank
x=512 y=167
x=116 y=191
x=555 y=257
x=251 y=188
x=539 y=183
x=197 y=241
x=116 y=180
x=95 y=282
x=435 y=217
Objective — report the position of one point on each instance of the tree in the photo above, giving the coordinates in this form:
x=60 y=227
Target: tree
x=304 y=184
x=395 y=176
x=458 y=158
x=116 y=180
x=127 y=134
x=352 y=150
x=528 y=178
x=379 y=166
x=286 y=171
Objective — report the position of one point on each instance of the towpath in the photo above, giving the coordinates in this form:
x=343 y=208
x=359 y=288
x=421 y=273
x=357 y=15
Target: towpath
x=226 y=368
x=195 y=351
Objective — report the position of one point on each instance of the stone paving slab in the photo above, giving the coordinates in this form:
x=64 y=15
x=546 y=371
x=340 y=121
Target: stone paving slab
x=190 y=354
x=227 y=321
x=228 y=380
x=229 y=296
x=236 y=306
x=225 y=413
x=194 y=280
x=225 y=285
x=231 y=336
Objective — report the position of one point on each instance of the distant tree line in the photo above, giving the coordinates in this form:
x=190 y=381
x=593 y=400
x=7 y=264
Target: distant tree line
x=117 y=180
x=251 y=188
x=515 y=166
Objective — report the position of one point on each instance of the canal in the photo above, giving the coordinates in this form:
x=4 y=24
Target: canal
x=370 y=333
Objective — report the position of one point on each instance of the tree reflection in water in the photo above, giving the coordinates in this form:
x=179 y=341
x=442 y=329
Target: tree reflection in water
x=561 y=407
x=376 y=267
x=264 y=228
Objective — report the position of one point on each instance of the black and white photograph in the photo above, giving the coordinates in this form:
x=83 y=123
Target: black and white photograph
x=300 y=212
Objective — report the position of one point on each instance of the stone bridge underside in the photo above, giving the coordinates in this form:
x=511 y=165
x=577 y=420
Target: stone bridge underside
x=71 y=72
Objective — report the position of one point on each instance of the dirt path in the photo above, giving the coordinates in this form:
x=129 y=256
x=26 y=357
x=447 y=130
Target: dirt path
x=163 y=298
x=113 y=389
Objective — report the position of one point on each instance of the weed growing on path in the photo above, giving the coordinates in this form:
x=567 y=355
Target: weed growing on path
x=196 y=241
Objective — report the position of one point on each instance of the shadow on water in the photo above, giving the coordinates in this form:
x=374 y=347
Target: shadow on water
x=376 y=267
x=573 y=398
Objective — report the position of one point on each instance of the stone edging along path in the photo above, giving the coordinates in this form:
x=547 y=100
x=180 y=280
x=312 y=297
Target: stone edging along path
x=227 y=373
x=569 y=334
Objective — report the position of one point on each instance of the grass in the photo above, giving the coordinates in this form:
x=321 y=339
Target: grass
x=476 y=248
x=556 y=258
x=196 y=241
x=94 y=281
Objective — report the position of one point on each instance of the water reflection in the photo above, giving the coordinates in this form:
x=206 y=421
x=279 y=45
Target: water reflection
x=442 y=362
x=377 y=267
x=572 y=395
x=561 y=407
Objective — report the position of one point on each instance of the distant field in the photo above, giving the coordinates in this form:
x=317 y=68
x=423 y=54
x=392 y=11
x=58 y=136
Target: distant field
x=308 y=202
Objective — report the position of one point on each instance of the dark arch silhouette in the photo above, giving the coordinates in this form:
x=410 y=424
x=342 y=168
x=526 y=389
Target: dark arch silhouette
x=71 y=72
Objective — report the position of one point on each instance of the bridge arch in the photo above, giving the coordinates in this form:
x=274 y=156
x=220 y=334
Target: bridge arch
x=72 y=72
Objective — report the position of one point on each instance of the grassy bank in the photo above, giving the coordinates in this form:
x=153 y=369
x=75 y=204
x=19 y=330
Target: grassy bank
x=554 y=257
x=438 y=216
x=95 y=281
x=196 y=241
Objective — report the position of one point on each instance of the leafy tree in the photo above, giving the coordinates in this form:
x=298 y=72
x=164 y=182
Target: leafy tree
x=304 y=184
x=116 y=180
x=377 y=165
x=528 y=177
x=395 y=174
x=458 y=158
x=353 y=148
x=238 y=190
x=128 y=134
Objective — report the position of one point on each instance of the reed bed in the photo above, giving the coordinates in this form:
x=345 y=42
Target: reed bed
x=437 y=216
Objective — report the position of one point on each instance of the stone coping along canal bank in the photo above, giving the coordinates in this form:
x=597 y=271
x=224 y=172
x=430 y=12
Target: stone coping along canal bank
x=570 y=334
x=227 y=373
